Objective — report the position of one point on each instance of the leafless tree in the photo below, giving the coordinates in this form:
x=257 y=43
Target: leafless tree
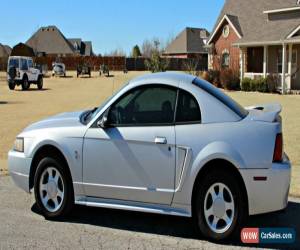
x=116 y=52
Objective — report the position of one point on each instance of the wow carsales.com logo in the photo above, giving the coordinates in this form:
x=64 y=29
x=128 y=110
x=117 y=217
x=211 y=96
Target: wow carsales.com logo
x=268 y=235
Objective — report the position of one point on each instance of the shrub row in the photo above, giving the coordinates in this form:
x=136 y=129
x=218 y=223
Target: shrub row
x=264 y=85
x=225 y=78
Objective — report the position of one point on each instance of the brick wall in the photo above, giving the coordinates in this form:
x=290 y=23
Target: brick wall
x=223 y=44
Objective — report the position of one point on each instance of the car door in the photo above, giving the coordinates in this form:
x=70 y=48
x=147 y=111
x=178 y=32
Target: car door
x=32 y=72
x=134 y=157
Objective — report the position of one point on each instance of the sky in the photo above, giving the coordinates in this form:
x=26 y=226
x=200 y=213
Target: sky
x=109 y=24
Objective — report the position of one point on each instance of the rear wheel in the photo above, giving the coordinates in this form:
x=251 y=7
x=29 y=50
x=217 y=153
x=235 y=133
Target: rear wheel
x=53 y=188
x=220 y=208
x=25 y=83
x=40 y=83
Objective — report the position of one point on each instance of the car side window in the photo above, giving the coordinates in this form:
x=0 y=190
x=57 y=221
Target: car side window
x=188 y=110
x=24 y=65
x=144 y=106
x=30 y=64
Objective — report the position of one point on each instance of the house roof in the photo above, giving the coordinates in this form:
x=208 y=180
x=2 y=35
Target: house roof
x=255 y=22
x=74 y=41
x=190 y=40
x=88 y=51
x=51 y=41
x=4 y=50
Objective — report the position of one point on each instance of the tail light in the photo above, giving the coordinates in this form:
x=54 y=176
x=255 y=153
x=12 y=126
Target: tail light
x=278 y=150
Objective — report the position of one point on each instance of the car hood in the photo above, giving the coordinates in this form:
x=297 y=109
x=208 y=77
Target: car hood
x=71 y=119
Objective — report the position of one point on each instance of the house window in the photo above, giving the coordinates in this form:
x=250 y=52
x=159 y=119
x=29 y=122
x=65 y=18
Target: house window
x=226 y=31
x=225 y=59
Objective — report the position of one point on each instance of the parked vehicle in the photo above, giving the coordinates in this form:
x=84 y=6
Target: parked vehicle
x=43 y=68
x=165 y=143
x=83 y=69
x=20 y=71
x=104 y=69
x=58 y=69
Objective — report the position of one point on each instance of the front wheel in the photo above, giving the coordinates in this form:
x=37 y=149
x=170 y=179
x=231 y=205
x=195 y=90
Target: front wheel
x=25 y=84
x=11 y=85
x=220 y=208
x=53 y=188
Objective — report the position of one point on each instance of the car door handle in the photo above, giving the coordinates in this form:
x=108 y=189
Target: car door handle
x=160 y=140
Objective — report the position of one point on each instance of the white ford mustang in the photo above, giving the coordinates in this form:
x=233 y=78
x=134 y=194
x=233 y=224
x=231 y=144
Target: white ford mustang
x=165 y=143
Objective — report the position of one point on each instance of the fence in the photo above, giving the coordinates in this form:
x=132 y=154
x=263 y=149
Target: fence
x=180 y=64
x=116 y=63
x=71 y=62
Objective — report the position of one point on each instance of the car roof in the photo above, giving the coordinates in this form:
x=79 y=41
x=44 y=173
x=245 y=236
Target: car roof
x=25 y=57
x=169 y=78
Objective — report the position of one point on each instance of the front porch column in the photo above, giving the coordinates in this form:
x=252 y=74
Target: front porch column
x=283 y=87
x=289 y=83
x=265 y=63
x=242 y=64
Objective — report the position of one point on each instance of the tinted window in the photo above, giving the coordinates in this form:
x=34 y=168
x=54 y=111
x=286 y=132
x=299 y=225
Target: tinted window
x=14 y=62
x=30 y=64
x=187 y=108
x=24 y=65
x=144 y=106
x=222 y=97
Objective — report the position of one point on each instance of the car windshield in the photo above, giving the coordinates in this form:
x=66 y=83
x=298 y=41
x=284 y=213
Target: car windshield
x=14 y=62
x=93 y=113
x=58 y=66
x=222 y=97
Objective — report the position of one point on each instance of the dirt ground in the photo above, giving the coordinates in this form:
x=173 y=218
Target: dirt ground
x=19 y=108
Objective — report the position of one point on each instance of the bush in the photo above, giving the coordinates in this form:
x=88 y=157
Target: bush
x=212 y=76
x=246 y=84
x=272 y=81
x=156 y=63
x=230 y=79
x=190 y=67
x=264 y=85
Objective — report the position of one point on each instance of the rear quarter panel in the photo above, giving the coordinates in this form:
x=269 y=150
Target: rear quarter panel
x=246 y=144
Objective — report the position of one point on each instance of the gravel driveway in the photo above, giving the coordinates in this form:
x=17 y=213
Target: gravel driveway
x=21 y=226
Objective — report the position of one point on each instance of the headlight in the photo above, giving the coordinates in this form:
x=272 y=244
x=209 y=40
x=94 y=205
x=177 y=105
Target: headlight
x=19 y=145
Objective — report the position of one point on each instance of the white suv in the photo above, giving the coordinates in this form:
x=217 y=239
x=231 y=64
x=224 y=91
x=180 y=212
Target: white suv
x=20 y=71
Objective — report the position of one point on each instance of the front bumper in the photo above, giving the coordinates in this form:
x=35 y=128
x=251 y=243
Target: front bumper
x=269 y=195
x=19 y=169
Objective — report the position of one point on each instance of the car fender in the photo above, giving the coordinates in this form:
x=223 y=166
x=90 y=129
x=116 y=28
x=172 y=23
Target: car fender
x=215 y=150
x=63 y=149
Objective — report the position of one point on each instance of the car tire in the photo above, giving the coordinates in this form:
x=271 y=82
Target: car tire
x=11 y=85
x=219 y=217
x=40 y=83
x=25 y=83
x=53 y=188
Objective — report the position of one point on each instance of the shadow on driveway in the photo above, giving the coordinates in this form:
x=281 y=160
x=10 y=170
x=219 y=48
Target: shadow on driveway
x=179 y=226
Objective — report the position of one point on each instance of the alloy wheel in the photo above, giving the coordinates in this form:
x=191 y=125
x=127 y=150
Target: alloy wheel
x=51 y=189
x=219 y=208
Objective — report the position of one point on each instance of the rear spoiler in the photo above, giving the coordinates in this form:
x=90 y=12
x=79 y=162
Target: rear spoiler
x=268 y=112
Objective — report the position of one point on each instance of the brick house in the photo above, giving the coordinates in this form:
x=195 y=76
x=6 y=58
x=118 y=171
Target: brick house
x=259 y=38
x=51 y=41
